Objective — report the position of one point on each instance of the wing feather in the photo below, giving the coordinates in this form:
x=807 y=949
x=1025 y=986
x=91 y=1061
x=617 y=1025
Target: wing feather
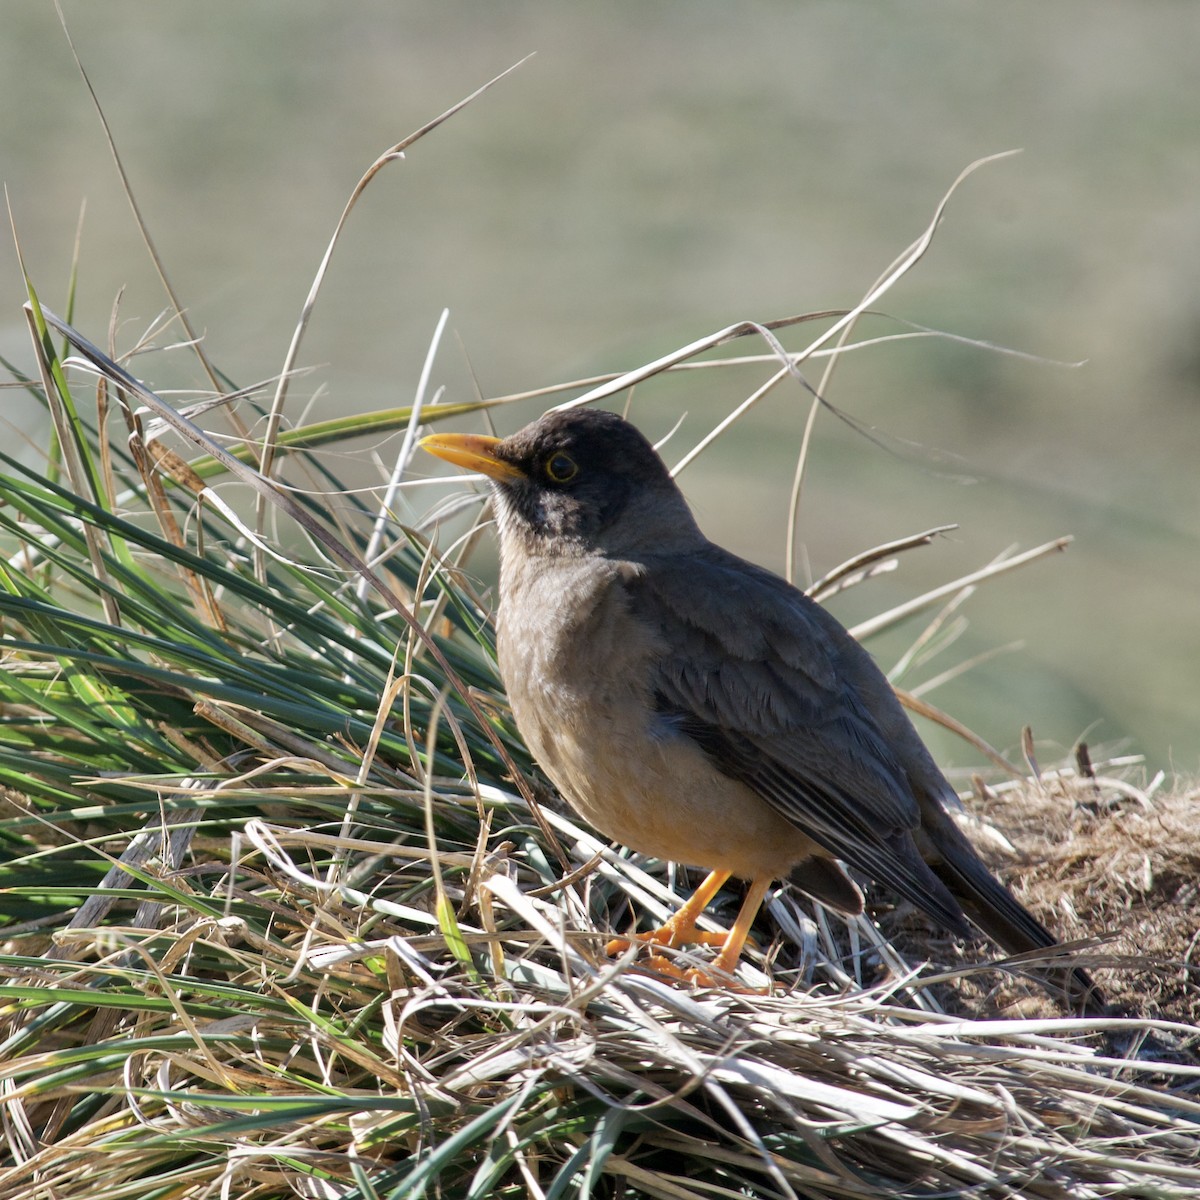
x=786 y=702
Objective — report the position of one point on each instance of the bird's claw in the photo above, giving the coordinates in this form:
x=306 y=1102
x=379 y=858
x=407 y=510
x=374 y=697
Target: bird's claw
x=697 y=977
x=719 y=977
x=667 y=936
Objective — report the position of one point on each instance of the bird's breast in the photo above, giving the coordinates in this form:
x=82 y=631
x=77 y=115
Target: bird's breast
x=575 y=664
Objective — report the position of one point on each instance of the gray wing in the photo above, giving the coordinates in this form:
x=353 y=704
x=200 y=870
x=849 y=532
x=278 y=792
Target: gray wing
x=780 y=697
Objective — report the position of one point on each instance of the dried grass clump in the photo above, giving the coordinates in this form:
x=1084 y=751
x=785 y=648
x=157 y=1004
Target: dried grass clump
x=288 y=919
x=1101 y=857
x=1110 y=867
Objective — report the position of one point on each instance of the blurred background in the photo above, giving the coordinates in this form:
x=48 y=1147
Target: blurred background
x=658 y=172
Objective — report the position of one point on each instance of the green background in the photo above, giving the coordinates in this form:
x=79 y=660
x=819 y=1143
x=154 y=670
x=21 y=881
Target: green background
x=659 y=171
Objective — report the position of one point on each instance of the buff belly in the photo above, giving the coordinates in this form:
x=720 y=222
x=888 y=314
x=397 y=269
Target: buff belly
x=659 y=795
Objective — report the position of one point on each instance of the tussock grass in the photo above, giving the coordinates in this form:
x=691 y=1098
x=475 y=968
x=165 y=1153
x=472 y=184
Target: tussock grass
x=288 y=911
x=284 y=915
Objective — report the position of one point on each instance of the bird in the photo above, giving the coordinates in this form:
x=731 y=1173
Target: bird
x=700 y=709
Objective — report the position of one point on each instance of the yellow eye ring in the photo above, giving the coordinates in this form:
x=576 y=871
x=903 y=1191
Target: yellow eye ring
x=561 y=468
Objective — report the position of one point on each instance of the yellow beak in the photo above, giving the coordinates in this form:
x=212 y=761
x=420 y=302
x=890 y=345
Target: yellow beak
x=474 y=452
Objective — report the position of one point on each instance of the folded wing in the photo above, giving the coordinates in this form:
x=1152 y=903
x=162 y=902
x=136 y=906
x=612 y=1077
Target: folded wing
x=785 y=703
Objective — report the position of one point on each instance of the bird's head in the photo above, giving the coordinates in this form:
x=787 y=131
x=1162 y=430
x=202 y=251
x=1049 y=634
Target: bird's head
x=576 y=482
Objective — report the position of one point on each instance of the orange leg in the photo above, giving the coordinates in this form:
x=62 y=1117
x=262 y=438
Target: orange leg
x=681 y=930
x=727 y=960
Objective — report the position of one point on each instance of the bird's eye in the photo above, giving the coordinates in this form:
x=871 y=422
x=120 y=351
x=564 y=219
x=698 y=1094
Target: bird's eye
x=561 y=468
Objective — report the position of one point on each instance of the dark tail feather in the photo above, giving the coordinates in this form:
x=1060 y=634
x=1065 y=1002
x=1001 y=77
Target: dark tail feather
x=995 y=910
x=824 y=879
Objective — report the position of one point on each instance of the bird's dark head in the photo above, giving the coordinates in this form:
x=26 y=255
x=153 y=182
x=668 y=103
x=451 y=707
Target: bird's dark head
x=580 y=481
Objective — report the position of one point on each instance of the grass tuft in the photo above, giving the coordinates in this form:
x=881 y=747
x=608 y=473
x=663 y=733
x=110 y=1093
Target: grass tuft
x=282 y=915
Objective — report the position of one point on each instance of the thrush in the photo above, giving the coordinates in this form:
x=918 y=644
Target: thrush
x=700 y=709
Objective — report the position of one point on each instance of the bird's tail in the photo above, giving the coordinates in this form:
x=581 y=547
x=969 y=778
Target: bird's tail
x=996 y=911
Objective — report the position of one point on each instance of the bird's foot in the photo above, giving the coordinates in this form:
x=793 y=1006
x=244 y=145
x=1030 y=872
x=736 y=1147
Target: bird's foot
x=717 y=976
x=721 y=973
x=672 y=935
x=680 y=930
